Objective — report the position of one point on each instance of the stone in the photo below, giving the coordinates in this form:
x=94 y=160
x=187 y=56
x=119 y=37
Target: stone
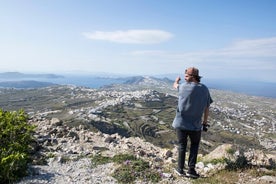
x=56 y=122
x=220 y=152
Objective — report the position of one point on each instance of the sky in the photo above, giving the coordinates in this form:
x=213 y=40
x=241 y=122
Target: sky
x=229 y=39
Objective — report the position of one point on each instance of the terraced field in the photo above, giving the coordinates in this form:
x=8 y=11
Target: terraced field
x=135 y=110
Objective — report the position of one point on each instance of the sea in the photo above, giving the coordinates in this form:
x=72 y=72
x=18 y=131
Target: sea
x=85 y=81
x=254 y=88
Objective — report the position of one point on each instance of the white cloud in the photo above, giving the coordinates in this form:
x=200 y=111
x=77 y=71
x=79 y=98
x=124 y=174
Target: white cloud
x=148 y=52
x=247 y=58
x=131 y=36
x=265 y=47
x=261 y=48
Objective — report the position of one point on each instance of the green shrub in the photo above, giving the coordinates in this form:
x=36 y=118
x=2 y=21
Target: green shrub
x=123 y=157
x=130 y=168
x=230 y=151
x=99 y=160
x=240 y=163
x=218 y=160
x=15 y=139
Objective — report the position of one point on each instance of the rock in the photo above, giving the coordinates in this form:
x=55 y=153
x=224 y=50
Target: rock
x=200 y=165
x=220 y=152
x=56 y=122
x=268 y=179
x=71 y=148
x=73 y=135
x=168 y=154
x=167 y=175
x=142 y=153
x=110 y=139
x=259 y=158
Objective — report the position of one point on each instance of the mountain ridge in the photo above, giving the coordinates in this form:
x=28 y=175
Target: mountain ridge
x=17 y=75
x=255 y=88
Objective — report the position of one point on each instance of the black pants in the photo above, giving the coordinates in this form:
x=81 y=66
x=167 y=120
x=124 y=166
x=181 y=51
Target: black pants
x=182 y=136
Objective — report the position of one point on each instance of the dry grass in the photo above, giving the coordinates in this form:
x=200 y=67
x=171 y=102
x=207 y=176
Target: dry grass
x=231 y=176
x=227 y=177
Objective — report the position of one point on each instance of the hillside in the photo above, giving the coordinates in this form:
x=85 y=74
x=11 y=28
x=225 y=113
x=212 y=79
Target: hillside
x=25 y=84
x=142 y=108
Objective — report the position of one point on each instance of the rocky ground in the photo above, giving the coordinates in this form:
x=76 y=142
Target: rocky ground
x=68 y=154
x=75 y=123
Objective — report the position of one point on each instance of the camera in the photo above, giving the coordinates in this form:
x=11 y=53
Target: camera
x=205 y=127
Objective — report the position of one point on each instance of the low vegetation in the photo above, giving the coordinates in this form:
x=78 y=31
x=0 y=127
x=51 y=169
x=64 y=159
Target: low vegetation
x=129 y=168
x=15 y=140
x=235 y=176
x=235 y=171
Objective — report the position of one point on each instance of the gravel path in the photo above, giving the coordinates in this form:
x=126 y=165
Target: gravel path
x=79 y=172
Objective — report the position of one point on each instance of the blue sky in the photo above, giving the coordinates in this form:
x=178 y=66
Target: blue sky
x=229 y=39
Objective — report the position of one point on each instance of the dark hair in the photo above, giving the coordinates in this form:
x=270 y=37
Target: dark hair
x=197 y=78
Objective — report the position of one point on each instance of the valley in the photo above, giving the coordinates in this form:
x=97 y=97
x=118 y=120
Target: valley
x=145 y=107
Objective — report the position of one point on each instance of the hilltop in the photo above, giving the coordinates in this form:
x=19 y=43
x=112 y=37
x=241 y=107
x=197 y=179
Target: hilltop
x=136 y=117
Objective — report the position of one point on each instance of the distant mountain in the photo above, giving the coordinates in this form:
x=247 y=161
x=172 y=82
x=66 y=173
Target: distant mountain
x=25 y=84
x=18 y=75
x=142 y=82
x=256 y=88
x=146 y=80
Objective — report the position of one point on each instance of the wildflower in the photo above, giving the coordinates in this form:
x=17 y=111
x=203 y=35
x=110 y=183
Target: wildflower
x=127 y=162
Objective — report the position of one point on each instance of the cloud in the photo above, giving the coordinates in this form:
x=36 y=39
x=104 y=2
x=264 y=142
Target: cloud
x=148 y=52
x=131 y=36
x=265 y=47
x=261 y=48
x=248 y=58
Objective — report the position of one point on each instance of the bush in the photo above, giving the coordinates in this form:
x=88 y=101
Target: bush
x=240 y=163
x=99 y=160
x=130 y=168
x=15 y=139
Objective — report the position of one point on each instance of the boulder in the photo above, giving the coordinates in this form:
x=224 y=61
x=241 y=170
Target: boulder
x=220 y=152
